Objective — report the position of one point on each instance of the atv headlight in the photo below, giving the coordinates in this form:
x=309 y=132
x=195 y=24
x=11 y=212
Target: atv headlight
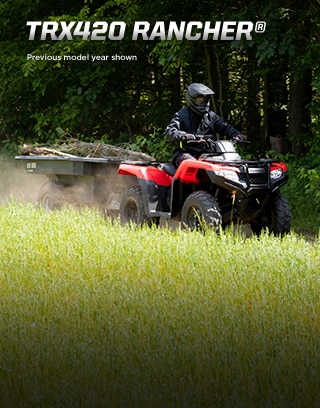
x=276 y=173
x=229 y=175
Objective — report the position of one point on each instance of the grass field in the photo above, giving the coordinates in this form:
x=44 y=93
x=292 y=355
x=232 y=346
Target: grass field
x=97 y=315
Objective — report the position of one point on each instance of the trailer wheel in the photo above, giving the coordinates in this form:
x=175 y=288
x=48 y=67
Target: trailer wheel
x=50 y=195
x=200 y=211
x=132 y=207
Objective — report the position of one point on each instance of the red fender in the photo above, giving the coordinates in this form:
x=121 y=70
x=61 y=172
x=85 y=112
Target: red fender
x=149 y=173
x=188 y=170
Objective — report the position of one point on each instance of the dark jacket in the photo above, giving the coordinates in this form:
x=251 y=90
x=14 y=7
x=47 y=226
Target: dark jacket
x=188 y=121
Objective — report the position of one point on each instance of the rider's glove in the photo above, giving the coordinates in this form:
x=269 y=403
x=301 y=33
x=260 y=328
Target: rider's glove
x=239 y=139
x=188 y=137
x=185 y=137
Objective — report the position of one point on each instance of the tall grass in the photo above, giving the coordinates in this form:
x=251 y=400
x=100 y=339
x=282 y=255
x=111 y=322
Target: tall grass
x=97 y=315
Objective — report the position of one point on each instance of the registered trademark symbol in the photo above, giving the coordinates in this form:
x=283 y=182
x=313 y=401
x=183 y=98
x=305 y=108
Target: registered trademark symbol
x=260 y=27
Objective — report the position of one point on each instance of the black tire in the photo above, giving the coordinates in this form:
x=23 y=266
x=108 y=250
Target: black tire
x=132 y=207
x=201 y=211
x=50 y=195
x=277 y=217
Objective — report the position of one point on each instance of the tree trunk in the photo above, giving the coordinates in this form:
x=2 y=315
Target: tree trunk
x=253 y=108
x=300 y=92
x=299 y=115
x=217 y=72
x=275 y=112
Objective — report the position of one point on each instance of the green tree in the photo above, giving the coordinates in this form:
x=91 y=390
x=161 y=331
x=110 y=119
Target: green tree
x=266 y=86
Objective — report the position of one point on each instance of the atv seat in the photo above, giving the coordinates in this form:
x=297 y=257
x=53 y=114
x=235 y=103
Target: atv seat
x=169 y=168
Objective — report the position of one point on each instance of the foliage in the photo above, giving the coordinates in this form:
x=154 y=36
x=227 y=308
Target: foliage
x=93 y=314
x=311 y=179
x=303 y=192
x=156 y=144
x=113 y=98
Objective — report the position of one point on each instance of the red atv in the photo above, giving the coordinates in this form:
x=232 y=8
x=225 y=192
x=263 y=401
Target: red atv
x=218 y=189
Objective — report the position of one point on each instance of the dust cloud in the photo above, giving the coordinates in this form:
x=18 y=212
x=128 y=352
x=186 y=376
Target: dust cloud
x=16 y=183
x=103 y=191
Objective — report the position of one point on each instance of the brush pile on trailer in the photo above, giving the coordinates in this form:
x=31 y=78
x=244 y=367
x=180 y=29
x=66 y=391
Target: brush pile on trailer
x=80 y=173
x=72 y=147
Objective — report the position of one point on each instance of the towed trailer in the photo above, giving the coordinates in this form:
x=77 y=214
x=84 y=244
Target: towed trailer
x=79 y=181
x=218 y=189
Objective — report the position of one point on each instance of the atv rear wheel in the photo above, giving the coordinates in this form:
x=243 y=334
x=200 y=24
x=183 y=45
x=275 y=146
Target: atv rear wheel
x=132 y=207
x=201 y=210
x=277 y=217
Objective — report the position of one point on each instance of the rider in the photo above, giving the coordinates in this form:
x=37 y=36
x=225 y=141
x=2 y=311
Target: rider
x=196 y=119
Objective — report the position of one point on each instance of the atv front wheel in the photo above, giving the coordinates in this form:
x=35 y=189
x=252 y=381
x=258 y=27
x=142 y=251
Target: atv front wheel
x=201 y=210
x=277 y=217
x=132 y=207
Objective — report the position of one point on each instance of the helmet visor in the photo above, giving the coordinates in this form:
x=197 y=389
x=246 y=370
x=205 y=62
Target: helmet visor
x=201 y=99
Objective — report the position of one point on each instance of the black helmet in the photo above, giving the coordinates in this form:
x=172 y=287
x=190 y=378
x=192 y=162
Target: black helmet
x=197 y=90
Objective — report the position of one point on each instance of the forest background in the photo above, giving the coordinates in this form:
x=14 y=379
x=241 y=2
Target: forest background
x=268 y=87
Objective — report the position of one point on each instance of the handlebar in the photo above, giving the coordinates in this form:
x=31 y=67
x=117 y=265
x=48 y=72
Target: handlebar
x=199 y=138
x=240 y=141
x=205 y=138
